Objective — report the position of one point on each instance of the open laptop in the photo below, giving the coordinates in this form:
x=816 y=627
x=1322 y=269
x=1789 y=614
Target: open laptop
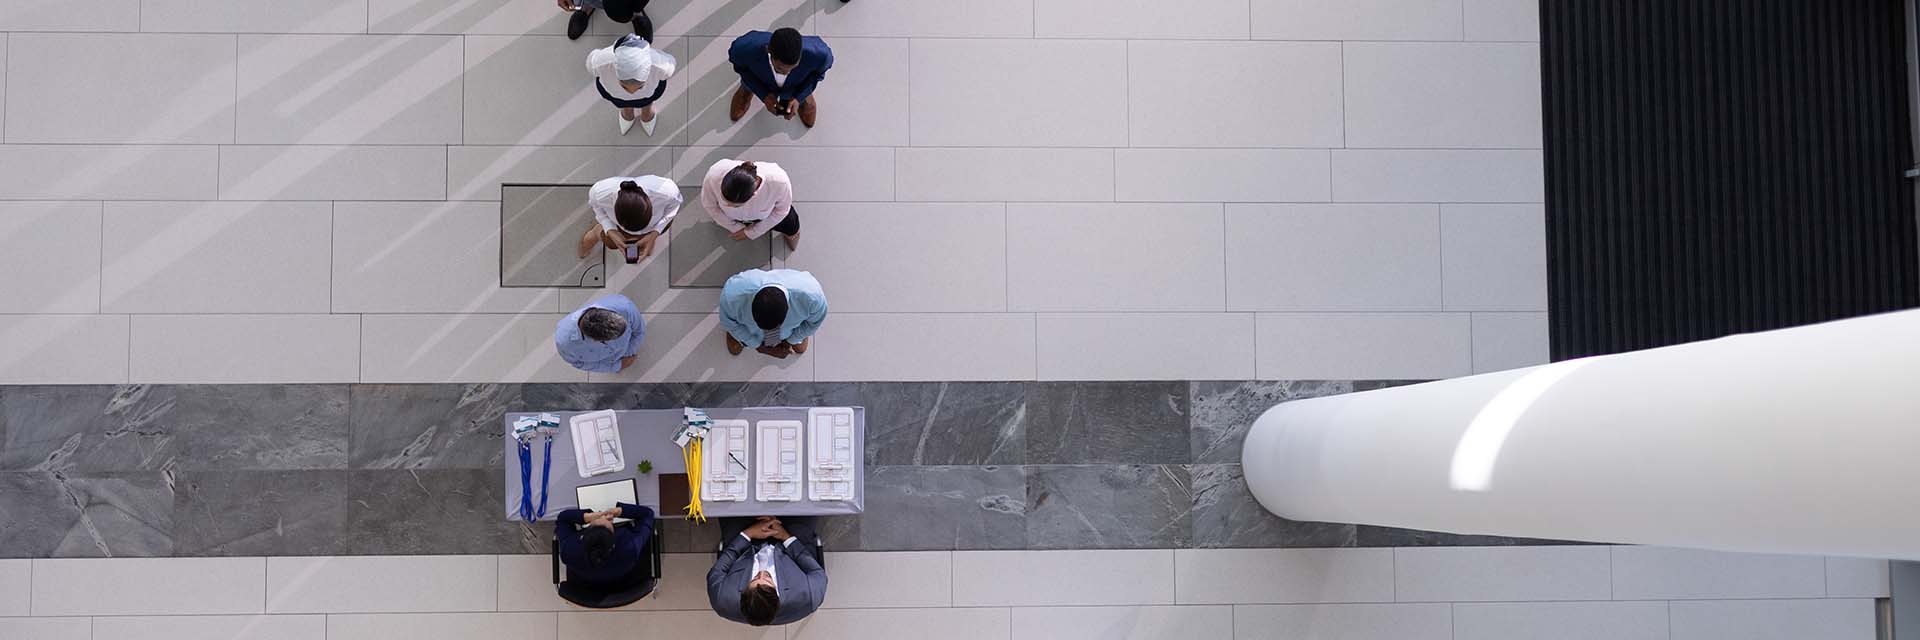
x=605 y=495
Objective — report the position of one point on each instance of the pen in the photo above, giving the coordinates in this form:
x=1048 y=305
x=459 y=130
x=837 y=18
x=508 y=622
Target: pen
x=736 y=460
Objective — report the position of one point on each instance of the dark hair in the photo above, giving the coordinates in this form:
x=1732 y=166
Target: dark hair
x=602 y=325
x=769 y=308
x=632 y=208
x=740 y=183
x=618 y=10
x=758 y=604
x=785 y=45
x=599 y=543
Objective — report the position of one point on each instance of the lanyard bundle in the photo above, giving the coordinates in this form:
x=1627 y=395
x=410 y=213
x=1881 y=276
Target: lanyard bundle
x=525 y=430
x=690 y=437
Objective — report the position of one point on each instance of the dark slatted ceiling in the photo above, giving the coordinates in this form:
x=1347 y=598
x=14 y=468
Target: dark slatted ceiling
x=1723 y=166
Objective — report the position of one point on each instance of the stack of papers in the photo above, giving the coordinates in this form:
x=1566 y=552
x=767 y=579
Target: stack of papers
x=725 y=463
x=777 y=473
x=830 y=462
x=596 y=443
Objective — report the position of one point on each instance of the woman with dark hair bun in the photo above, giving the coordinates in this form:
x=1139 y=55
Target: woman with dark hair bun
x=632 y=214
x=750 y=199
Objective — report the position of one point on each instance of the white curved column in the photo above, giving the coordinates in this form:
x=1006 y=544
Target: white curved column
x=1803 y=440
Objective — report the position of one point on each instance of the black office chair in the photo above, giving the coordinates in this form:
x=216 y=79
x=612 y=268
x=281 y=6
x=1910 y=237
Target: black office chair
x=597 y=597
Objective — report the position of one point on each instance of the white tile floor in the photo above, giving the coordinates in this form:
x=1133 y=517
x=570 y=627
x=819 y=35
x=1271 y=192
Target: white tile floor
x=998 y=189
x=1365 y=594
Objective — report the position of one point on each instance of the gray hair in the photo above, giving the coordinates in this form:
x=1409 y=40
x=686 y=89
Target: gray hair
x=602 y=325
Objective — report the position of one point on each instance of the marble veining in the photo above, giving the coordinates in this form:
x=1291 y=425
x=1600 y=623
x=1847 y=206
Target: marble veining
x=160 y=427
x=1223 y=411
x=945 y=423
x=944 y=507
x=1226 y=515
x=405 y=426
x=1108 y=506
x=1107 y=422
x=261 y=513
x=430 y=512
x=85 y=514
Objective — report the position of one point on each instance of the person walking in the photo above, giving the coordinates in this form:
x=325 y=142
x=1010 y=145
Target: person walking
x=751 y=198
x=632 y=75
x=776 y=311
x=782 y=69
x=602 y=337
x=630 y=215
x=621 y=11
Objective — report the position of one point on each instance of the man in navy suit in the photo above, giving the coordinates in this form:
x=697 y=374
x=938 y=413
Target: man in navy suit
x=781 y=69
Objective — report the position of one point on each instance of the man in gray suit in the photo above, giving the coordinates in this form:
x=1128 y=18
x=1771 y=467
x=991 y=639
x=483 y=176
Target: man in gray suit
x=768 y=571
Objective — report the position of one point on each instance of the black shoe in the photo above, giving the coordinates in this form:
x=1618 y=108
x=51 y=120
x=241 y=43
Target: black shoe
x=577 y=24
x=643 y=27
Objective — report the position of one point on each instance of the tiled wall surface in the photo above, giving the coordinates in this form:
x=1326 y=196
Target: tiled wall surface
x=1190 y=594
x=998 y=189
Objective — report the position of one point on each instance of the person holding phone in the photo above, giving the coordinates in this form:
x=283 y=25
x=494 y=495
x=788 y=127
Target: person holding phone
x=630 y=215
x=782 y=69
x=751 y=198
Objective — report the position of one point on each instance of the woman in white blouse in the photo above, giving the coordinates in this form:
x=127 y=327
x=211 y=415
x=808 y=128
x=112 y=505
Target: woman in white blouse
x=630 y=214
x=750 y=199
x=631 y=74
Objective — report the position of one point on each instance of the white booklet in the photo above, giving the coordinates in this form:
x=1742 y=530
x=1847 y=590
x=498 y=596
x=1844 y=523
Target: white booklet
x=830 y=464
x=777 y=470
x=596 y=443
x=724 y=462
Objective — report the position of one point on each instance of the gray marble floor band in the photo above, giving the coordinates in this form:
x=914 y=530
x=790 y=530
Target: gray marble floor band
x=250 y=470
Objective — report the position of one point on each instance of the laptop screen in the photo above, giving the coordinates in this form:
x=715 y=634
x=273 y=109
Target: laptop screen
x=603 y=496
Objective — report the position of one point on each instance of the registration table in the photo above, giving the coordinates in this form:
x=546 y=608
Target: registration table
x=648 y=435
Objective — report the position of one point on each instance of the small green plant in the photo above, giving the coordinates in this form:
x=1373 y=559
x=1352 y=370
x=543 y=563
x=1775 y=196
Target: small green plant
x=646 y=466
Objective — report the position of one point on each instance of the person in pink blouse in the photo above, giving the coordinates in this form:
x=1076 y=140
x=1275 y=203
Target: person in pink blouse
x=750 y=199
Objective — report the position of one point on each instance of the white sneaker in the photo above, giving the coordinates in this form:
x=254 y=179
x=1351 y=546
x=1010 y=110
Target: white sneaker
x=647 y=125
x=625 y=124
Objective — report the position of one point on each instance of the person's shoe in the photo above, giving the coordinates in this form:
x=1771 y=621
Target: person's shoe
x=808 y=111
x=577 y=25
x=733 y=346
x=646 y=126
x=801 y=347
x=625 y=124
x=742 y=98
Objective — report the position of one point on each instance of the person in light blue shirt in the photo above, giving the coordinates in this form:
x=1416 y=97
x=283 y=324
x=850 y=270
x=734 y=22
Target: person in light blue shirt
x=602 y=337
x=774 y=311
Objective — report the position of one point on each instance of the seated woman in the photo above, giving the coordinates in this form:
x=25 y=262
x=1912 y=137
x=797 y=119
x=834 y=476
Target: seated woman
x=599 y=554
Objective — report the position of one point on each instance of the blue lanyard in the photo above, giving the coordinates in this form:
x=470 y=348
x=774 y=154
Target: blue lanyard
x=527 y=512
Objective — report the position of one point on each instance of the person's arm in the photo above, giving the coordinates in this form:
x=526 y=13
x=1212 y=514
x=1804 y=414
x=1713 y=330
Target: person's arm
x=581 y=362
x=727 y=604
x=802 y=554
x=736 y=300
x=731 y=323
x=741 y=55
x=816 y=315
x=710 y=200
x=642 y=518
x=813 y=79
x=566 y=536
x=782 y=193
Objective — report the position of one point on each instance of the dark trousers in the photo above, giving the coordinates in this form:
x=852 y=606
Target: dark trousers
x=789 y=226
